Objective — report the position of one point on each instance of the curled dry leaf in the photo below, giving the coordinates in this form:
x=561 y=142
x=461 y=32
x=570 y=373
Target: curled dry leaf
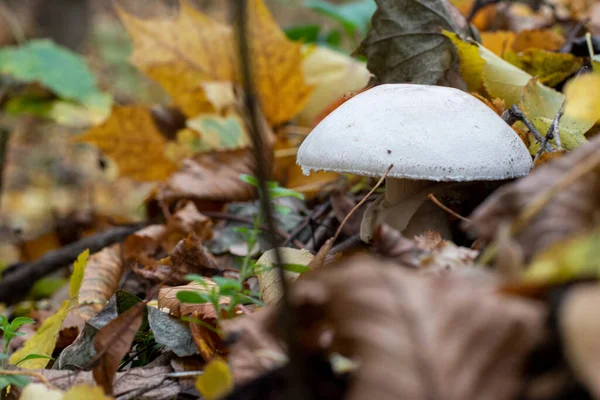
x=573 y=184
x=209 y=344
x=416 y=337
x=342 y=204
x=113 y=342
x=185 y=220
x=189 y=257
x=100 y=281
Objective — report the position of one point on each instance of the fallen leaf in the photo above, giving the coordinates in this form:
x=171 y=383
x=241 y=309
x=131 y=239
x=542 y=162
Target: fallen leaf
x=332 y=74
x=193 y=48
x=186 y=219
x=100 y=281
x=268 y=276
x=85 y=391
x=130 y=137
x=405 y=43
x=579 y=330
x=541 y=104
x=188 y=257
x=548 y=67
x=167 y=300
x=35 y=391
x=342 y=204
x=569 y=213
x=218 y=133
x=482 y=19
x=43 y=341
x=171 y=332
x=391 y=319
x=498 y=41
x=216 y=381
x=582 y=101
x=207 y=341
x=542 y=39
x=113 y=342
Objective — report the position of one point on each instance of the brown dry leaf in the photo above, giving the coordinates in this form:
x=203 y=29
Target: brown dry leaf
x=182 y=53
x=211 y=177
x=167 y=299
x=188 y=257
x=414 y=337
x=573 y=183
x=130 y=137
x=342 y=204
x=543 y=39
x=208 y=342
x=482 y=19
x=389 y=242
x=113 y=342
x=580 y=327
x=187 y=219
x=256 y=350
x=141 y=249
x=100 y=281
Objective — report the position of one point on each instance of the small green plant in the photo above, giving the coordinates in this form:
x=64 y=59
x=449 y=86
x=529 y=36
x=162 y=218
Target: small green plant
x=10 y=331
x=234 y=288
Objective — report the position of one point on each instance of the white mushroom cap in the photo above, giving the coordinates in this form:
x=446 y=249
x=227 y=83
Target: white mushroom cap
x=428 y=132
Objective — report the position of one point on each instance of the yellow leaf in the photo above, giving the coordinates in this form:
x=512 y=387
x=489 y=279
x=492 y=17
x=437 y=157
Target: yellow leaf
x=471 y=64
x=483 y=70
x=542 y=39
x=541 y=104
x=277 y=66
x=130 y=137
x=332 y=74
x=87 y=392
x=77 y=276
x=498 y=41
x=550 y=68
x=44 y=340
x=181 y=53
x=482 y=19
x=567 y=260
x=36 y=391
x=582 y=97
x=216 y=381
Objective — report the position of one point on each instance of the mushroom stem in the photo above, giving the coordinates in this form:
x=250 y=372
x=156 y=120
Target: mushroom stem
x=406 y=208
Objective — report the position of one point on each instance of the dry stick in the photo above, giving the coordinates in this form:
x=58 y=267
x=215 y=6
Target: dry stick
x=313 y=215
x=296 y=373
x=443 y=207
x=360 y=203
x=539 y=202
x=514 y=114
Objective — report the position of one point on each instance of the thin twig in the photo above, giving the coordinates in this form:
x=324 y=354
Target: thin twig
x=296 y=373
x=317 y=213
x=16 y=283
x=360 y=203
x=448 y=210
x=515 y=114
x=553 y=132
x=4 y=136
x=346 y=244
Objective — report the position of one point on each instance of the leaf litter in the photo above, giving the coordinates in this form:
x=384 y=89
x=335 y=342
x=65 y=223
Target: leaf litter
x=191 y=304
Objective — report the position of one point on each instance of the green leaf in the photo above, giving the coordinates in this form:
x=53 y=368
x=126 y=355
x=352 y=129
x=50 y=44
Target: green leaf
x=252 y=180
x=278 y=191
x=193 y=297
x=32 y=357
x=405 y=43
x=17 y=322
x=197 y=278
x=354 y=17
x=16 y=380
x=304 y=33
x=299 y=268
x=227 y=284
x=55 y=67
x=219 y=132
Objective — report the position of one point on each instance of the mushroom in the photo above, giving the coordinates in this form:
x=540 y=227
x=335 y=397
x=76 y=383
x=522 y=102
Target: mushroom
x=435 y=137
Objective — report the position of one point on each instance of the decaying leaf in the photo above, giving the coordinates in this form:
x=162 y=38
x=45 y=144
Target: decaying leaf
x=543 y=39
x=415 y=337
x=550 y=68
x=167 y=300
x=572 y=183
x=268 y=275
x=100 y=280
x=189 y=257
x=406 y=44
x=582 y=99
x=130 y=137
x=207 y=341
x=113 y=342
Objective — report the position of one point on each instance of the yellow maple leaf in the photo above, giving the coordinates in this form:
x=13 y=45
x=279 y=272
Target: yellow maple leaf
x=182 y=53
x=130 y=137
